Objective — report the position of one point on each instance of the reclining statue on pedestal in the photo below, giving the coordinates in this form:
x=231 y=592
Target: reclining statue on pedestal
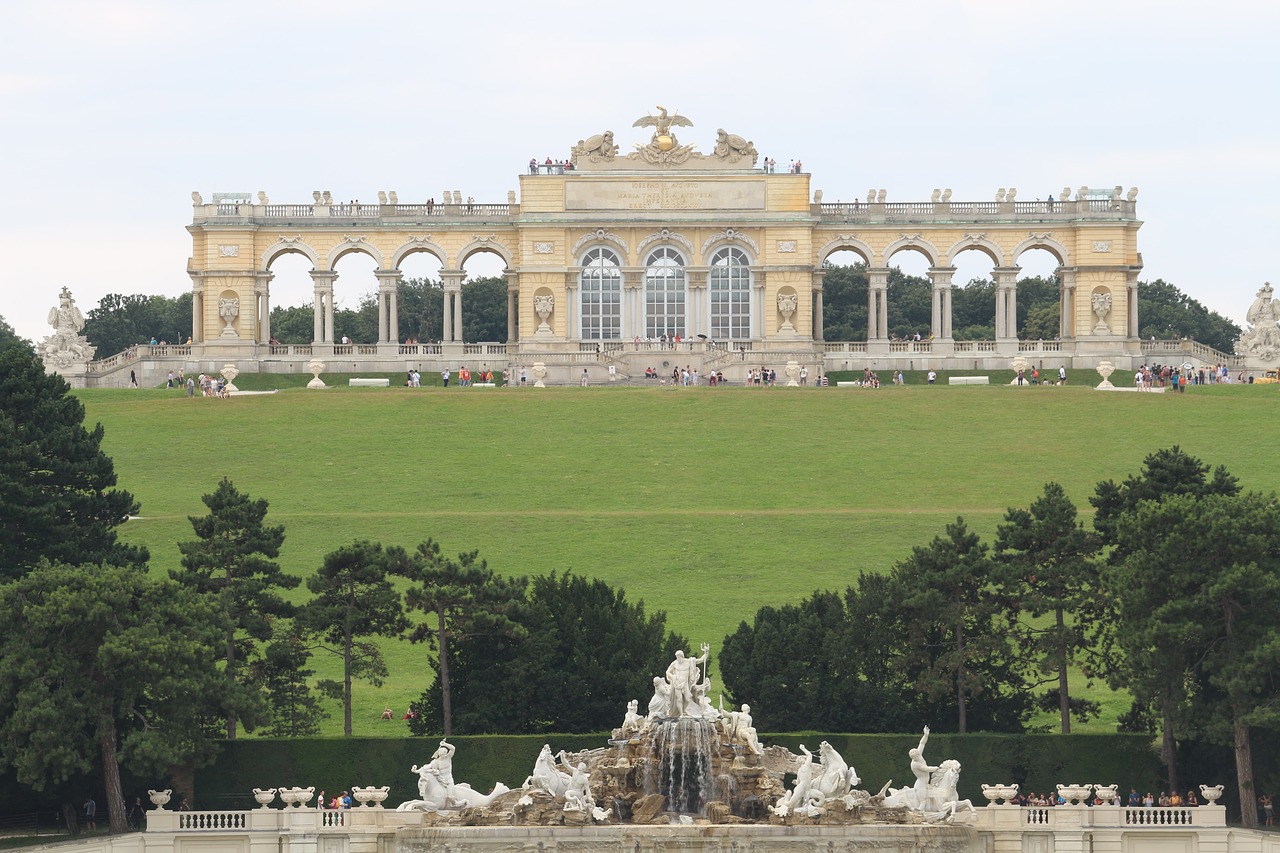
x=437 y=790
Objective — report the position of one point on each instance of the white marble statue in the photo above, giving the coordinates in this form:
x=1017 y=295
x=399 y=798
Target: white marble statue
x=739 y=730
x=632 y=722
x=682 y=676
x=816 y=783
x=660 y=704
x=578 y=796
x=934 y=793
x=547 y=776
x=1262 y=339
x=1101 y=302
x=66 y=346
x=437 y=790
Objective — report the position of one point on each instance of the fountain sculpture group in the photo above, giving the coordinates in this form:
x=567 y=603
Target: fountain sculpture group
x=687 y=761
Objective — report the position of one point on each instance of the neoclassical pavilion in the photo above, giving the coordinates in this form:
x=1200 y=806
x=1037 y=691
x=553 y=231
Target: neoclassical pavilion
x=666 y=240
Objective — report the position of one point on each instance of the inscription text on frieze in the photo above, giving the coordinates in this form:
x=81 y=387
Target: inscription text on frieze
x=664 y=195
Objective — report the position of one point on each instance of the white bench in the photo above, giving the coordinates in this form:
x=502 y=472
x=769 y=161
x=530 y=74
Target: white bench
x=848 y=384
x=369 y=383
x=484 y=385
x=968 y=380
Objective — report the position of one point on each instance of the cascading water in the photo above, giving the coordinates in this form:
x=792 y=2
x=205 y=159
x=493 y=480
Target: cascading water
x=681 y=769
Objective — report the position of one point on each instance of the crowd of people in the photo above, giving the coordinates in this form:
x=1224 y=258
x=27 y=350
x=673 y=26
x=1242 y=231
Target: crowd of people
x=1177 y=378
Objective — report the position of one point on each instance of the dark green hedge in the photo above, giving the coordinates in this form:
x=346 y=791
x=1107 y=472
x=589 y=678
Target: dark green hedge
x=1035 y=762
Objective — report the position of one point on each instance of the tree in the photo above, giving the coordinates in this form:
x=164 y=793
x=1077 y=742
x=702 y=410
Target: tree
x=1045 y=566
x=954 y=636
x=484 y=302
x=9 y=338
x=1196 y=618
x=973 y=311
x=103 y=660
x=465 y=597
x=353 y=599
x=1164 y=311
x=420 y=306
x=283 y=673
x=57 y=495
x=294 y=325
x=585 y=650
x=844 y=303
x=910 y=304
x=232 y=562
x=122 y=321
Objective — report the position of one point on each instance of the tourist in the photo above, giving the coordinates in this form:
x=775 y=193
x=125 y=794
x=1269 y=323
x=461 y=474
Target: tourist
x=133 y=379
x=320 y=801
x=1135 y=799
x=1148 y=801
x=804 y=375
x=932 y=377
x=1062 y=375
x=585 y=377
x=444 y=377
x=1192 y=799
x=1175 y=799
x=137 y=813
x=533 y=165
x=346 y=800
x=90 y=814
x=183 y=805
x=523 y=377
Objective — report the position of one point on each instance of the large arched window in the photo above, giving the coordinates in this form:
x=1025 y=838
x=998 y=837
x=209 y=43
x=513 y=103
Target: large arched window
x=664 y=294
x=600 y=286
x=730 y=284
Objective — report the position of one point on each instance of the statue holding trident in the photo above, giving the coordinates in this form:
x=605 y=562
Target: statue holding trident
x=682 y=675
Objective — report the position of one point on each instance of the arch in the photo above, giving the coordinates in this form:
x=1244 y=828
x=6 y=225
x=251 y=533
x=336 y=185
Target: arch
x=732 y=236
x=976 y=242
x=1042 y=241
x=729 y=283
x=846 y=242
x=914 y=242
x=600 y=294
x=289 y=245
x=666 y=235
x=351 y=244
x=601 y=236
x=486 y=243
x=665 y=292
x=422 y=244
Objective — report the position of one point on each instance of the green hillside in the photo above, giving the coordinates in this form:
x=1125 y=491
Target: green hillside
x=705 y=503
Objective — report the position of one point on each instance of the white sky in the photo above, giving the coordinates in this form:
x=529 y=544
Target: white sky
x=111 y=113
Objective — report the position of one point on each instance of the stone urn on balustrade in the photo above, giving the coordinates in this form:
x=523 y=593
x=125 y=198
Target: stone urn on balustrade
x=1074 y=794
x=160 y=798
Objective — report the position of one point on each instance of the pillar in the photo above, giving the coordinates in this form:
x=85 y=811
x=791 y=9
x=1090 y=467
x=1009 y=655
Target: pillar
x=759 y=280
x=941 y=279
x=513 y=304
x=878 y=304
x=262 y=290
x=197 y=309
x=697 y=315
x=1131 y=281
x=818 y=276
x=388 y=323
x=323 y=322
x=1006 y=302
x=633 y=302
x=572 y=325
x=1067 y=314
x=452 y=282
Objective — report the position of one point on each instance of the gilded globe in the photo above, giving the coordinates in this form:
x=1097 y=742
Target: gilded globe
x=665 y=142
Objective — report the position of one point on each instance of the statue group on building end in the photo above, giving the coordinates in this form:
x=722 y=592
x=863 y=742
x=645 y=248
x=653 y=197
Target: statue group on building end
x=1262 y=338
x=66 y=347
x=663 y=150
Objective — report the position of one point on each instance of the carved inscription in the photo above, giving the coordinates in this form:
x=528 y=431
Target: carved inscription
x=664 y=195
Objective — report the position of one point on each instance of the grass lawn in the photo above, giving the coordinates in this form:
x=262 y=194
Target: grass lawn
x=705 y=503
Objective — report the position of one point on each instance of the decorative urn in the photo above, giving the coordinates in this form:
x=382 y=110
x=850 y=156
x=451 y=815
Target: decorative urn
x=264 y=798
x=159 y=798
x=1074 y=794
x=1211 y=793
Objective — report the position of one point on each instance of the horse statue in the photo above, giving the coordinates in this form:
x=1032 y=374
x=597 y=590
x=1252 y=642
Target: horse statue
x=546 y=775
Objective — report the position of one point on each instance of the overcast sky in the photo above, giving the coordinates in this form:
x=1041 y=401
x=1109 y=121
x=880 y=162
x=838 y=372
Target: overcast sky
x=113 y=111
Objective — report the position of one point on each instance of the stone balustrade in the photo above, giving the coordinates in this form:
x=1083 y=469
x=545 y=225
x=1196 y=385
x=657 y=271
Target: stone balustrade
x=364 y=214
x=968 y=212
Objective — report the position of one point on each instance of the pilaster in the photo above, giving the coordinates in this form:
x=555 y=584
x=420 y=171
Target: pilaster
x=819 y=275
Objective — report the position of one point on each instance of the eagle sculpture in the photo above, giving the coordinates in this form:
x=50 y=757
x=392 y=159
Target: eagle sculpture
x=662 y=122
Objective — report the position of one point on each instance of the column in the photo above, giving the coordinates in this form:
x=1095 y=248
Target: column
x=197 y=309
x=697 y=318
x=759 y=279
x=941 y=279
x=262 y=290
x=572 y=325
x=877 y=304
x=632 y=302
x=1067 y=298
x=1006 y=302
x=818 y=275
x=513 y=291
x=452 y=282
x=388 y=327
x=323 y=280
x=1131 y=280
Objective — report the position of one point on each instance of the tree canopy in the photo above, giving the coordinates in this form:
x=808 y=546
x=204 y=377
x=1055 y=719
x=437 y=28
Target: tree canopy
x=102 y=660
x=121 y=321
x=233 y=563
x=57 y=495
